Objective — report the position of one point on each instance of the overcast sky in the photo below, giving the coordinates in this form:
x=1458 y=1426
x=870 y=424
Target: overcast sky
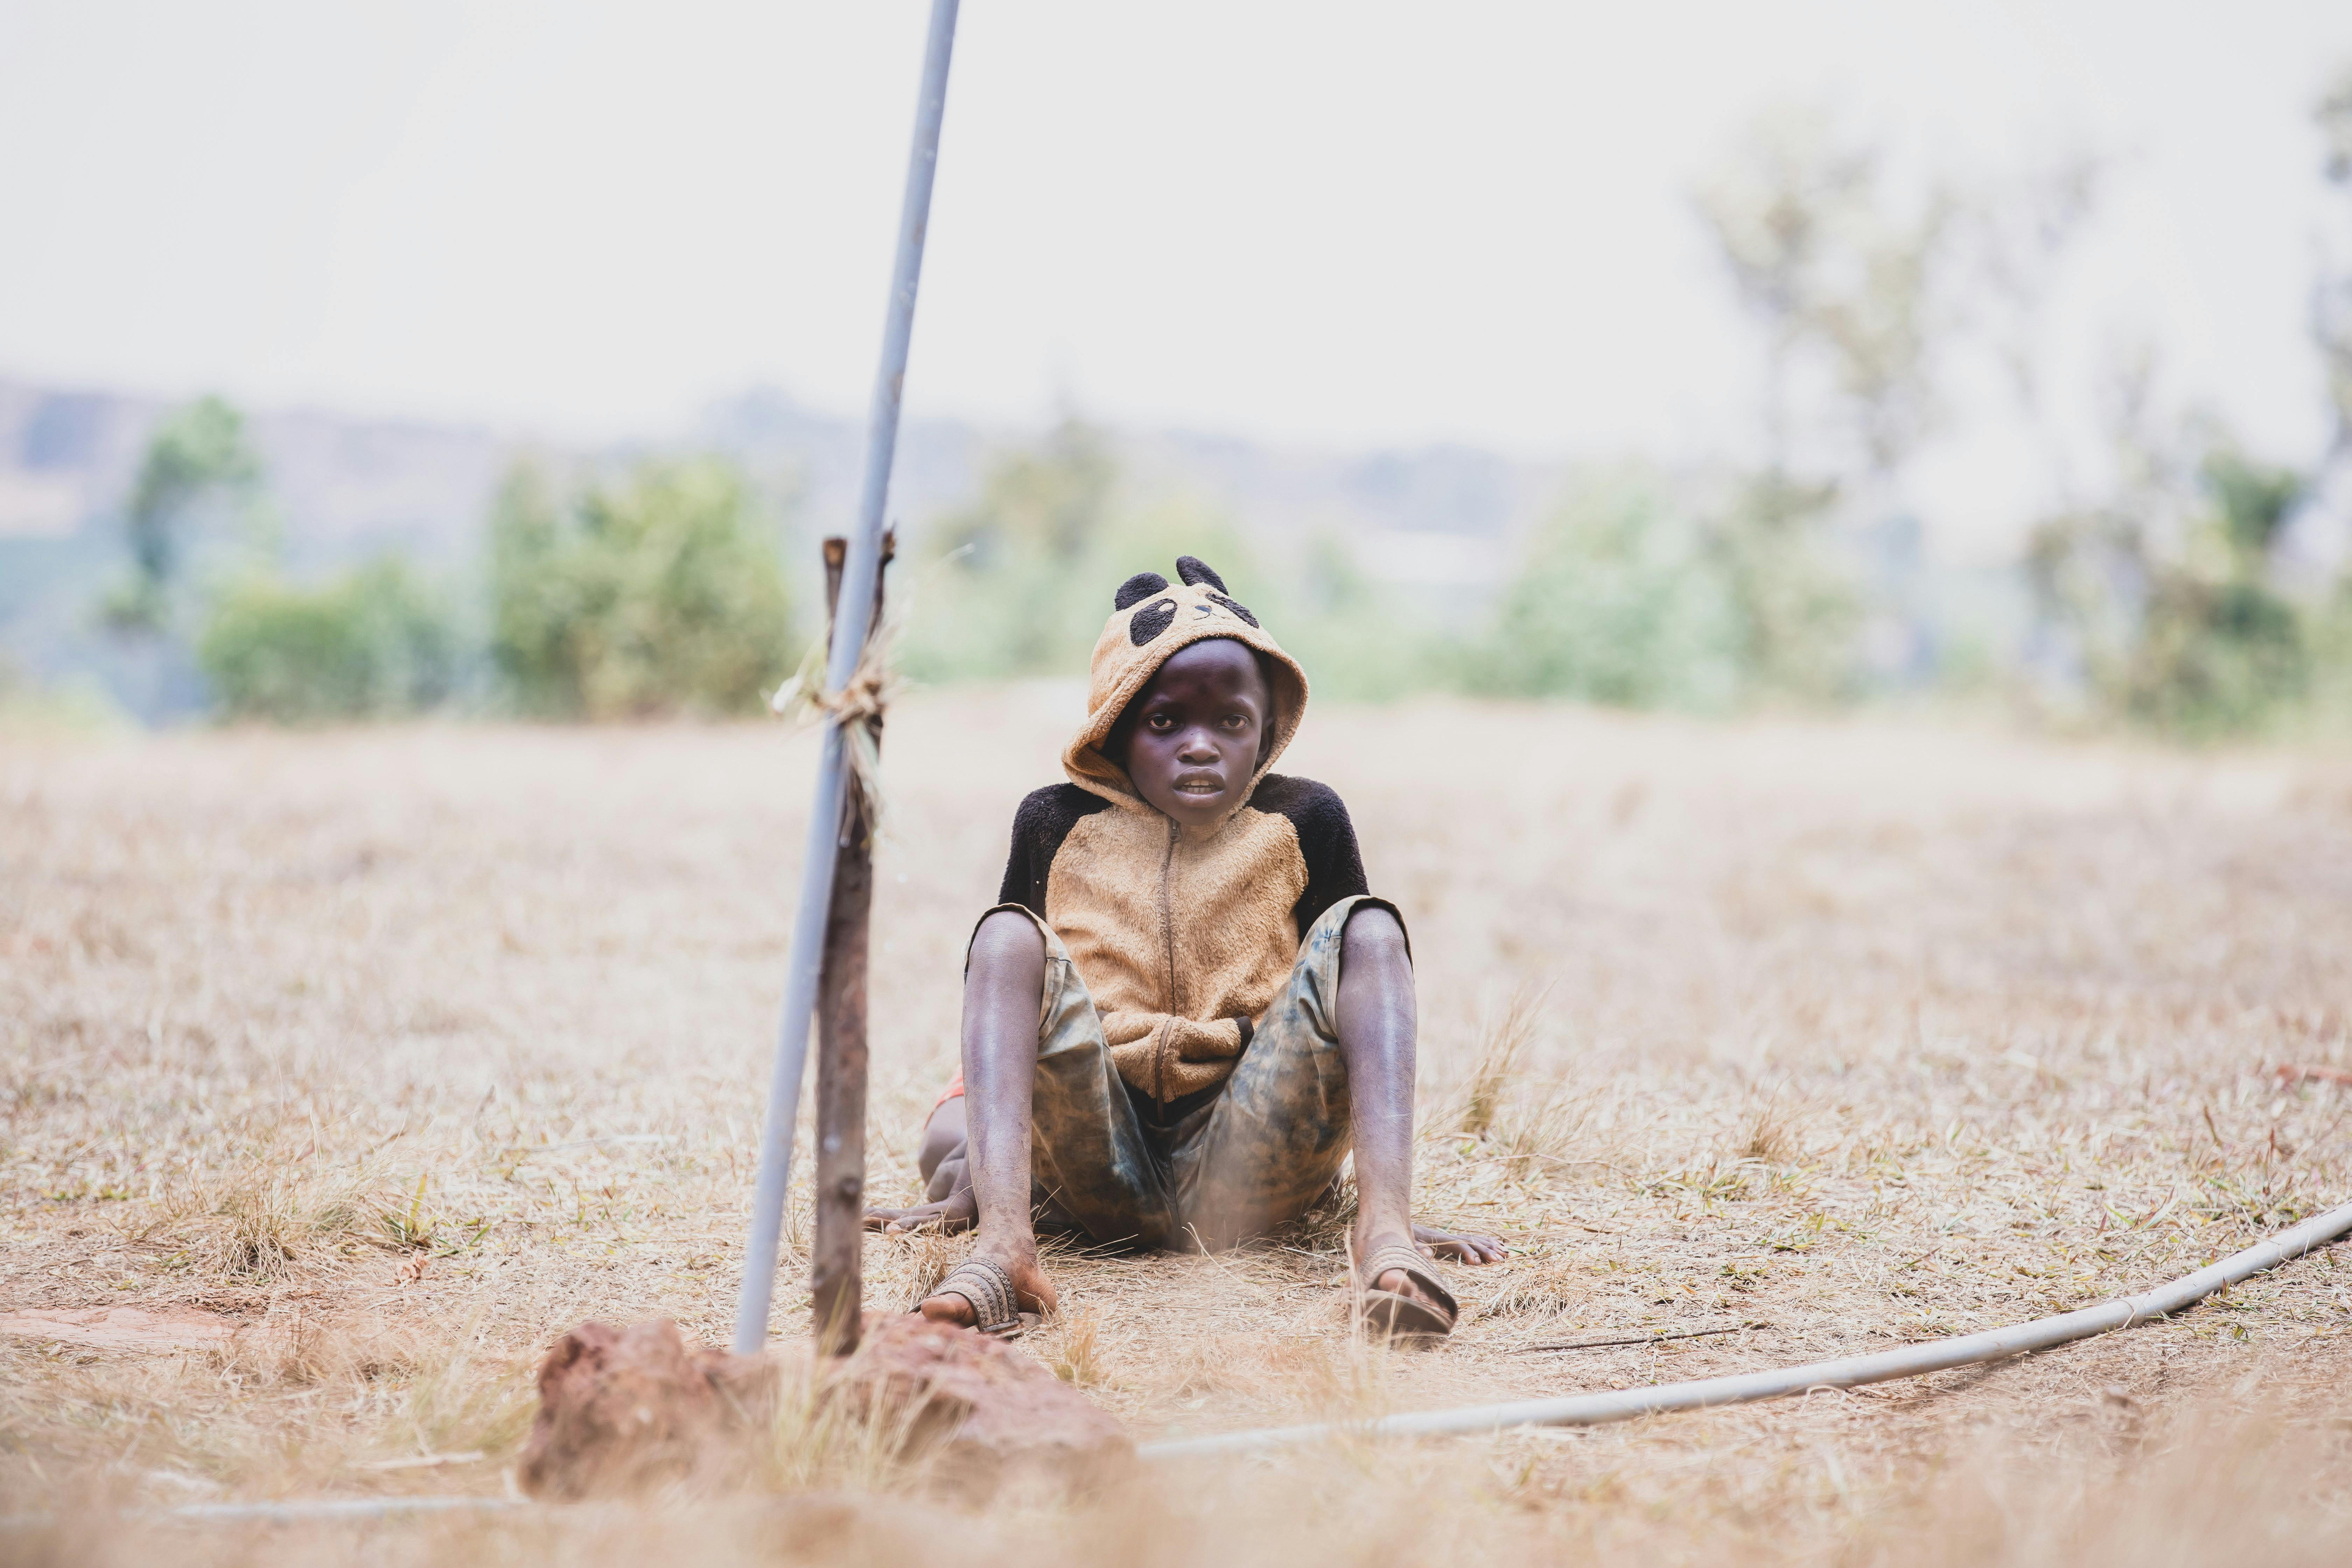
x=1348 y=224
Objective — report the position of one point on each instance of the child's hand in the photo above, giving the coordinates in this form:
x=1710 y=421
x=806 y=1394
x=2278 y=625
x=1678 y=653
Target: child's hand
x=1447 y=1246
x=952 y=1203
x=955 y=1213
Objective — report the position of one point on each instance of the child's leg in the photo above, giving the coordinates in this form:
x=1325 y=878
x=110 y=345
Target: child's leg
x=1001 y=992
x=1331 y=1065
x=1047 y=1117
x=1376 y=1019
x=942 y=1158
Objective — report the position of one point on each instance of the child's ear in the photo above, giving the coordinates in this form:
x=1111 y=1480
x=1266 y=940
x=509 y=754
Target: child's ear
x=1271 y=706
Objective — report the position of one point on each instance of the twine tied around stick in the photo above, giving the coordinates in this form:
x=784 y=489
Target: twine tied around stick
x=857 y=708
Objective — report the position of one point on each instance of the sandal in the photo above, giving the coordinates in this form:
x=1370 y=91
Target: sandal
x=995 y=1310
x=1393 y=1315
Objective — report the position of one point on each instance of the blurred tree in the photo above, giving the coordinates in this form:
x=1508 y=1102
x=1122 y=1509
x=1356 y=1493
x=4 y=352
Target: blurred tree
x=1795 y=608
x=2162 y=592
x=1862 y=303
x=374 y=643
x=1018 y=583
x=658 y=594
x=1050 y=500
x=199 y=453
x=1006 y=591
x=1865 y=301
x=1841 y=286
x=2331 y=313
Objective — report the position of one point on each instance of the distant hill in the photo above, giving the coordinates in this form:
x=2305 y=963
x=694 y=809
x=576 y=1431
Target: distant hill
x=345 y=487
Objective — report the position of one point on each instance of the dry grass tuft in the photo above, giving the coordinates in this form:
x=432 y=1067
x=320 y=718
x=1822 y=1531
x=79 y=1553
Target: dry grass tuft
x=821 y=1444
x=263 y=1221
x=915 y=1266
x=1542 y=1130
x=1076 y=1357
x=1495 y=1072
x=1767 y=1136
x=1547 y=1287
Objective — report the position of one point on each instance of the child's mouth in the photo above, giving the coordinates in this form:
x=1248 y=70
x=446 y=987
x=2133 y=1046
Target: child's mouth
x=1199 y=783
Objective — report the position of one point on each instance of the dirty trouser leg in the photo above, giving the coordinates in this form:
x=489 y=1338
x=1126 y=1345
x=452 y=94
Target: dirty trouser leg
x=1088 y=1156
x=1272 y=1142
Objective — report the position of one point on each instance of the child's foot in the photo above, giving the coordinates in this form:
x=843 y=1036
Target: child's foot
x=1401 y=1298
x=1032 y=1291
x=1432 y=1243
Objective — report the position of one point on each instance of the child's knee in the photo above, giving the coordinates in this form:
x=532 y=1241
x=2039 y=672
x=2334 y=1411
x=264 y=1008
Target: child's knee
x=1007 y=944
x=943 y=1135
x=1373 y=934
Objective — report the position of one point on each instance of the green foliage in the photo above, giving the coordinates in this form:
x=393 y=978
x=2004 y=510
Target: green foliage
x=371 y=642
x=1357 y=639
x=2331 y=313
x=1795 y=608
x=2164 y=594
x=198 y=453
x=1632 y=596
x=1019 y=583
x=1004 y=590
x=1614 y=603
x=659 y=593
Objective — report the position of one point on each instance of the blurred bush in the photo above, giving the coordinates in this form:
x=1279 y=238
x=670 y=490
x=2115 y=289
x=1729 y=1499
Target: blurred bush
x=199 y=456
x=660 y=592
x=1615 y=602
x=1018 y=584
x=373 y=643
x=1640 y=592
x=2162 y=597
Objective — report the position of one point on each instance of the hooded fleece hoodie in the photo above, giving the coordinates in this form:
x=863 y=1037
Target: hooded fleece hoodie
x=1183 y=936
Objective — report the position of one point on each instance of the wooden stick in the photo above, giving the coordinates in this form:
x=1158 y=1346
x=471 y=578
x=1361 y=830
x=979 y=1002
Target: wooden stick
x=836 y=1283
x=1644 y=1340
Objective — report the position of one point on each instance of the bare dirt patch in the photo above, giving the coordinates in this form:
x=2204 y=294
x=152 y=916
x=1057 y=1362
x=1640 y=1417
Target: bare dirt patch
x=171 y=1331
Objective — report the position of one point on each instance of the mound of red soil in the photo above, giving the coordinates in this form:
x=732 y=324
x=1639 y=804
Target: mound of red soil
x=983 y=1409
x=625 y=1411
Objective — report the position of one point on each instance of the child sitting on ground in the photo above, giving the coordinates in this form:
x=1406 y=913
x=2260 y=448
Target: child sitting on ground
x=1187 y=1006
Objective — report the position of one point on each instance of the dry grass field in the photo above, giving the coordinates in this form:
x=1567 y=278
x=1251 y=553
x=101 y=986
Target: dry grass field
x=368 y=1061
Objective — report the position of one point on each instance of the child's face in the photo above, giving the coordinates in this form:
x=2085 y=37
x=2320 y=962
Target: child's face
x=1193 y=735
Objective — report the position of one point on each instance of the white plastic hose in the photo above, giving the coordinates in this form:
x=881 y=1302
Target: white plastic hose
x=1911 y=1361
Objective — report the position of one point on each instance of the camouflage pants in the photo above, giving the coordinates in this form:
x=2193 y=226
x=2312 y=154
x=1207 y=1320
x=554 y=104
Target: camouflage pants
x=1213 y=1168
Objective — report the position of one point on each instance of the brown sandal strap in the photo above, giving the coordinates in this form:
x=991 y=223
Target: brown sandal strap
x=1410 y=1261
x=987 y=1285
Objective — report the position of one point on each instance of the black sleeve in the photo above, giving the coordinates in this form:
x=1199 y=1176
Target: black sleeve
x=1045 y=819
x=1335 y=869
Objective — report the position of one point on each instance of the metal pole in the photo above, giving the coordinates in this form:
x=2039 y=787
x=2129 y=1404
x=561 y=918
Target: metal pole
x=859 y=574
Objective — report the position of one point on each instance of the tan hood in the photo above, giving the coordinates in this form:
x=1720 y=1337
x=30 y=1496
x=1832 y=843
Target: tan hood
x=1150 y=619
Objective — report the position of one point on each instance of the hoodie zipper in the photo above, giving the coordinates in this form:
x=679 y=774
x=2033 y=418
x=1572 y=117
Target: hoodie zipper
x=1168 y=944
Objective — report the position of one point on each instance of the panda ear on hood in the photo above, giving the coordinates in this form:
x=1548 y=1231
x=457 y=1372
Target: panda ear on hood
x=1141 y=586
x=1195 y=572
